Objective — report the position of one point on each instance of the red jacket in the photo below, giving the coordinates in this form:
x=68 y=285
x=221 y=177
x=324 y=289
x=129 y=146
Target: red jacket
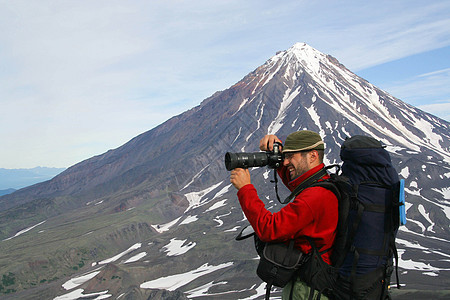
x=313 y=213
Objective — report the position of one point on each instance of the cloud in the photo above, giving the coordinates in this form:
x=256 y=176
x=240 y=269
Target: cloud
x=373 y=33
x=74 y=83
x=81 y=77
x=424 y=87
x=441 y=110
x=438 y=72
x=428 y=91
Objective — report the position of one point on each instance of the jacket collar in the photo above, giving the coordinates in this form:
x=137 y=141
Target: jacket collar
x=304 y=176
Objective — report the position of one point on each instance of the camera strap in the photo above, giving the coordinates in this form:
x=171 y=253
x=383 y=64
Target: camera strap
x=275 y=180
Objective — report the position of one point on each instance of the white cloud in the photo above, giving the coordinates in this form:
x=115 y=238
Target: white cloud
x=379 y=32
x=441 y=110
x=438 y=72
x=429 y=91
x=81 y=77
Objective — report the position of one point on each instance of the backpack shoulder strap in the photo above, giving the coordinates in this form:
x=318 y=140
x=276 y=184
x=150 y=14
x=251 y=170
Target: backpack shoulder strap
x=329 y=185
x=341 y=187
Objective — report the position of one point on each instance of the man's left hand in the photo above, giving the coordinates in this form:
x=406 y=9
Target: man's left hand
x=240 y=177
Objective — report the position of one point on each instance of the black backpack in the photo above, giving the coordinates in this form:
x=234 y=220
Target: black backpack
x=368 y=191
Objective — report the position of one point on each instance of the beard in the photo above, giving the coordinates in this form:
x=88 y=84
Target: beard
x=299 y=169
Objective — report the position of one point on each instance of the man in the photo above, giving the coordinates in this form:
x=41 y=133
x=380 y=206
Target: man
x=313 y=213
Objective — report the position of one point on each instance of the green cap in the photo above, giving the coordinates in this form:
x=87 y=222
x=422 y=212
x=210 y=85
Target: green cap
x=303 y=140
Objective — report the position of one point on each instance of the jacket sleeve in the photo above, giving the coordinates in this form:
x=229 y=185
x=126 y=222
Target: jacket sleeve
x=288 y=223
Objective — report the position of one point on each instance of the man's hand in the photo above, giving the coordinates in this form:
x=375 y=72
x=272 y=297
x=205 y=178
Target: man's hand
x=266 y=143
x=240 y=177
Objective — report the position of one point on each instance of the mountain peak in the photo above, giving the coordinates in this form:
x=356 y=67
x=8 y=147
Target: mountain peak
x=174 y=195
x=302 y=56
x=303 y=51
x=301 y=48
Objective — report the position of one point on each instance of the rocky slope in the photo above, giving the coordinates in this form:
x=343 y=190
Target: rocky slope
x=166 y=192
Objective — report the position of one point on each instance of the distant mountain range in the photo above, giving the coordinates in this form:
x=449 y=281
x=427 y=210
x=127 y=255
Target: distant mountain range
x=7 y=191
x=20 y=178
x=159 y=211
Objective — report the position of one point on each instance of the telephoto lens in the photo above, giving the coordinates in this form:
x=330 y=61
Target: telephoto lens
x=272 y=159
x=245 y=160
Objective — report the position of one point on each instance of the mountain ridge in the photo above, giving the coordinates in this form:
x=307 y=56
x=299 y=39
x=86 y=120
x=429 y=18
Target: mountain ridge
x=20 y=178
x=170 y=183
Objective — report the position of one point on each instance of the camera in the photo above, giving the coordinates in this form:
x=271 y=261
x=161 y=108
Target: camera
x=272 y=159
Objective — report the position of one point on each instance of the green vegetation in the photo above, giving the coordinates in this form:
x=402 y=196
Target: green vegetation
x=8 y=279
x=81 y=264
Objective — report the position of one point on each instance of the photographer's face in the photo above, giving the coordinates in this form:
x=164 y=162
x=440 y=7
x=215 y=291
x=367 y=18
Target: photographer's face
x=297 y=163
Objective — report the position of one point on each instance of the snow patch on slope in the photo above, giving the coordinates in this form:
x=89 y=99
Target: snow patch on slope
x=74 y=282
x=24 y=230
x=160 y=228
x=195 y=177
x=178 y=247
x=196 y=198
x=118 y=256
x=277 y=123
x=79 y=294
x=176 y=281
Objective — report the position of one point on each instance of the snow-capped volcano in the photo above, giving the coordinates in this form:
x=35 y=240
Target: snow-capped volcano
x=168 y=191
x=375 y=112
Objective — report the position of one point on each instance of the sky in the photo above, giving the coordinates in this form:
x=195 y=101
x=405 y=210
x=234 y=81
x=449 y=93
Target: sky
x=78 y=78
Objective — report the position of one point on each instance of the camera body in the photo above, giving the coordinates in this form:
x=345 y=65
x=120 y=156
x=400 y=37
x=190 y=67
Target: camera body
x=273 y=159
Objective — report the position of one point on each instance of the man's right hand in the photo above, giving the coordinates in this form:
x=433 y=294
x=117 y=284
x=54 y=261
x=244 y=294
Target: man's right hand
x=266 y=143
x=240 y=177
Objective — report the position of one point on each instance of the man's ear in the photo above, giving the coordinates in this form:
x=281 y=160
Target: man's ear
x=313 y=156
